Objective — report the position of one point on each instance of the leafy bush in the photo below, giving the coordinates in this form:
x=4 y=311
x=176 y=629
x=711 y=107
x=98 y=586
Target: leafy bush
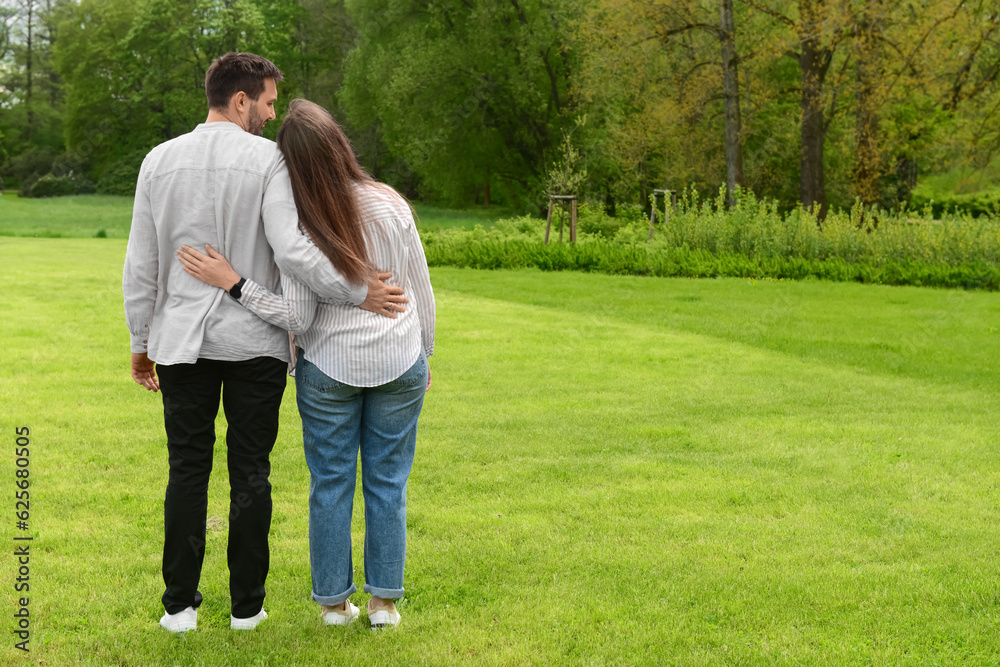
x=752 y=239
x=26 y=167
x=51 y=185
x=44 y=173
x=593 y=220
x=120 y=179
x=973 y=191
x=975 y=205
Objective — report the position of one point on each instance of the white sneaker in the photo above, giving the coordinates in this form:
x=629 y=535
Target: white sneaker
x=247 y=623
x=382 y=617
x=182 y=621
x=341 y=616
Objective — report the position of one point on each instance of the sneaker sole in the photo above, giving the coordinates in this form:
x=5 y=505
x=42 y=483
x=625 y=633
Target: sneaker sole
x=383 y=620
x=178 y=631
x=347 y=620
x=341 y=619
x=247 y=623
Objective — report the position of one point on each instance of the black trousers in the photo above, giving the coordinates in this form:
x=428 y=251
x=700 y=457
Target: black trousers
x=251 y=396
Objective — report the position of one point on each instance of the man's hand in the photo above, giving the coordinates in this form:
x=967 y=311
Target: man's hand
x=383 y=299
x=144 y=372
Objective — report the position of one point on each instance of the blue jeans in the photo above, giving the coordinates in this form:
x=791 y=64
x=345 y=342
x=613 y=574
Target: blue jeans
x=337 y=420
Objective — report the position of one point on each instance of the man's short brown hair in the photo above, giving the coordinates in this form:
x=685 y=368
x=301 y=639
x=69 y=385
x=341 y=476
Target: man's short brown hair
x=235 y=72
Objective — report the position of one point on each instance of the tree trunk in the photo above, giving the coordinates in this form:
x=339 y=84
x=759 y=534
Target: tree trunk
x=486 y=191
x=28 y=74
x=868 y=167
x=906 y=175
x=50 y=40
x=731 y=92
x=609 y=199
x=813 y=63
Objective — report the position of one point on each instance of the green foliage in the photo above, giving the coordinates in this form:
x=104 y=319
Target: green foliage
x=28 y=166
x=649 y=74
x=567 y=174
x=470 y=94
x=30 y=89
x=3 y=161
x=752 y=239
x=975 y=192
x=430 y=217
x=120 y=178
x=603 y=257
x=43 y=173
x=469 y=101
x=51 y=185
x=135 y=72
x=592 y=219
x=940 y=204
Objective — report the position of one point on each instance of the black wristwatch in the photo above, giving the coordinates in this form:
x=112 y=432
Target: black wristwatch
x=236 y=291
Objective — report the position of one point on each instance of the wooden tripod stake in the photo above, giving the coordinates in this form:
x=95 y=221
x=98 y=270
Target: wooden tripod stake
x=657 y=195
x=562 y=200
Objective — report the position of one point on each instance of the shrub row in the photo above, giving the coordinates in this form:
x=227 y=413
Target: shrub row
x=753 y=239
x=682 y=262
x=976 y=205
x=51 y=185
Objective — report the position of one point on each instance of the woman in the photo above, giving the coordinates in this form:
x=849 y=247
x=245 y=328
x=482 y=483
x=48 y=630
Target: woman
x=360 y=377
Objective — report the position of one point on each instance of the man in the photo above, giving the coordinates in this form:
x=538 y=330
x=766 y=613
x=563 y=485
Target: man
x=225 y=186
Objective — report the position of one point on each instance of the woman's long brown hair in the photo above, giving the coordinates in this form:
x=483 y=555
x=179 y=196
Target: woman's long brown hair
x=324 y=171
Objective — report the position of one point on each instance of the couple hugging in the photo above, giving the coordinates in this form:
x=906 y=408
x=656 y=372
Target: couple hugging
x=234 y=242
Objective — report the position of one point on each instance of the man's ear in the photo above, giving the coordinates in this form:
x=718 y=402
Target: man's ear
x=239 y=101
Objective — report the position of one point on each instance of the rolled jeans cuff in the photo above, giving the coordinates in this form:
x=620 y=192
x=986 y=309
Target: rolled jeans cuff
x=334 y=600
x=384 y=593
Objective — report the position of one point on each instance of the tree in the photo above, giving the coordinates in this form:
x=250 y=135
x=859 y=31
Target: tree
x=947 y=80
x=135 y=73
x=925 y=67
x=472 y=94
x=661 y=68
x=819 y=27
x=30 y=95
x=868 y=25
x=731 y=92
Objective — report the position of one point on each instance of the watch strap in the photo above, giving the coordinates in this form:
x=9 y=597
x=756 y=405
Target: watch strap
x=236 y=291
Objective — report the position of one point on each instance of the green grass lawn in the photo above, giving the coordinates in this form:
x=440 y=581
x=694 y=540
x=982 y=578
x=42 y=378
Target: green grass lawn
x=609 y=470
x=963 y=180
x=72 y=217
x=87 y=216
x=435 y=217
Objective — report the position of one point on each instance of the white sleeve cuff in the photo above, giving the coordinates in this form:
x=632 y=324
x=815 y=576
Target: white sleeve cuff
x=358 y=294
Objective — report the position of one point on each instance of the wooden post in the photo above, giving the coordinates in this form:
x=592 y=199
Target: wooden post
x=657 y=194
x=572 y=220
x=562 y=201
x=548 y=222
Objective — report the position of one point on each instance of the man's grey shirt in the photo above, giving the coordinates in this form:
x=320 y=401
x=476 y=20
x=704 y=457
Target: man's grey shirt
x=221 y=186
